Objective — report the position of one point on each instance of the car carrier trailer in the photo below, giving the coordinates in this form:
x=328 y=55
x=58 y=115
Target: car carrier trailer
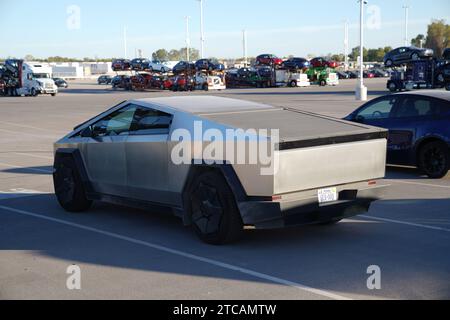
x=422 y=74
x=21 y=78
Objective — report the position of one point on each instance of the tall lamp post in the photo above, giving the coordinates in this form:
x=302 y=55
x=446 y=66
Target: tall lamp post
x=188 y=40
x=361 y=90
x=202 y=34
x=244 y=46
x=406 y=24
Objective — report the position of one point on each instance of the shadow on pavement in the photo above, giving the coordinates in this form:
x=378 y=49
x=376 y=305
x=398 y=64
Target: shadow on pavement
x=330 y=258
x=41 y=170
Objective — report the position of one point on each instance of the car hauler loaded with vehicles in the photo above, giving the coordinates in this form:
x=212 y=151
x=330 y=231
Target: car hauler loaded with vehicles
x=28 y=79
x=324 y=169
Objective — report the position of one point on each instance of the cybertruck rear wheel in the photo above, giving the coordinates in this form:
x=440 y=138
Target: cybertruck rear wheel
x=215 y=216
x=69 y=188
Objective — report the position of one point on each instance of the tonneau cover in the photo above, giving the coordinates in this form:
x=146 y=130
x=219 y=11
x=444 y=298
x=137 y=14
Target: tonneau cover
x=299 y=129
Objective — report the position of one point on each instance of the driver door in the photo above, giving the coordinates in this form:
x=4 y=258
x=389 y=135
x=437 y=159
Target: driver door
x=104 y=153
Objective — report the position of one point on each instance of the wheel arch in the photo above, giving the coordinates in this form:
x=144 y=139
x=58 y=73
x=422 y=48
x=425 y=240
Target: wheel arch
x=75 y=155
x=225 y=170
x=424 y=141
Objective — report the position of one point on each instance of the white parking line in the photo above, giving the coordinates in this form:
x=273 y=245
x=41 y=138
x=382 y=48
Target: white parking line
x=25 y=168
x=418 y=183
x=34 y=135
x=27 y=126
x=33 y=155
x=216 y=263
x=411 y=224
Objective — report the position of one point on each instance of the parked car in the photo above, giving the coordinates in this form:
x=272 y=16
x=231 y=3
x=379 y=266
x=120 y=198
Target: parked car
x=104 y=80
x=126 y=156
x=321 y=62
x=342 y=75
x=296 y=63
x=170 y=64
x=157 y=66
x=404 y=55
x=380 y=73
x=121 y=65
x=61 y=83
x=419 y=128
x=140 y=64
x=183 y=83
x=353 y=74
x=122 y=82
x=184 y=67
x=368 y=74
x=205 y=64
x=268 y=60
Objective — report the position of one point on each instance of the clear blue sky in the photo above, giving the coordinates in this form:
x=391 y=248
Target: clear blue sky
x=282 y=27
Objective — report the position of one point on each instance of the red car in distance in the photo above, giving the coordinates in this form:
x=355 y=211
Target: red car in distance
x=121 y=65
x=322 y=62
x=268 y=60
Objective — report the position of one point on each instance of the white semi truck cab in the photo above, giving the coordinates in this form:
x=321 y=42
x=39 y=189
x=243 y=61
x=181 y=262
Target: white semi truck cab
x=37 y=79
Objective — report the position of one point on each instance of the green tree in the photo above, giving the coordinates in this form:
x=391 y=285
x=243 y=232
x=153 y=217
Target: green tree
x=418 y=41
x=355 y=53
x=337 y=57
x=438 y=36
x=161 y=55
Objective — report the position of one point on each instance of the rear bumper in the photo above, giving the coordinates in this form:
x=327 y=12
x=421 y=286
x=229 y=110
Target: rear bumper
x=304 y=208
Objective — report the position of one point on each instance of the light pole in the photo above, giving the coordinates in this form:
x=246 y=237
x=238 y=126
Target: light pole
x=188 y=40
x=125 y=41
x=244 y=46
x=202 y=34
x=406 y=24
x=346 y=45
x=361 y=90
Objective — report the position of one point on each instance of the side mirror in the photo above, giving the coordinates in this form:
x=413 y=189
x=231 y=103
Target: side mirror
x=87 y=132
x=359 y=118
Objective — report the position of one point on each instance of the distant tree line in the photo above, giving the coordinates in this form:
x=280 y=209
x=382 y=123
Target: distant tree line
x=176 y=55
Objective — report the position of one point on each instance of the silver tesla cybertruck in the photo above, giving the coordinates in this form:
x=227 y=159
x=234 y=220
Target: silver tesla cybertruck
x=222 y=165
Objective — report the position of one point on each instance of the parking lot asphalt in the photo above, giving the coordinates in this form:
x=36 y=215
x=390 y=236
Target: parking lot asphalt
x=131 y=254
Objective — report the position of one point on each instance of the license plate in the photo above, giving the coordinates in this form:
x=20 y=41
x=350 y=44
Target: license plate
x=327 y=195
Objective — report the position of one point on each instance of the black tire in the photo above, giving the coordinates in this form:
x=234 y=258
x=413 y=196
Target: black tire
x=447 y=87
x=33 y=92
x=388 y=63
x=69 y=188
x=53 y=94
x=393 y=87
x=293 y=84
x=205 y=87
x=322 y=83
x=215 y=216
x=434 y=159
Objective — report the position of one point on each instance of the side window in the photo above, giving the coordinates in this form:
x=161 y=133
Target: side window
x=116 y=124
x=415 y=107
x=378 y=110
x=148 y=121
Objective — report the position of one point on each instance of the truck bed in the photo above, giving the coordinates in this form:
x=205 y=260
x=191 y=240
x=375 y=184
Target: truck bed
x=300 y=129
x=314 y=151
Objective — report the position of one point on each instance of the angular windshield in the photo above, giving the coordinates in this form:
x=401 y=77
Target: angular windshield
x=41 y=76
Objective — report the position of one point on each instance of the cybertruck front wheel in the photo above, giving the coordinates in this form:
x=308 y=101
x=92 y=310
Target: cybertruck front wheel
x=215 y=216
x=69 y=189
